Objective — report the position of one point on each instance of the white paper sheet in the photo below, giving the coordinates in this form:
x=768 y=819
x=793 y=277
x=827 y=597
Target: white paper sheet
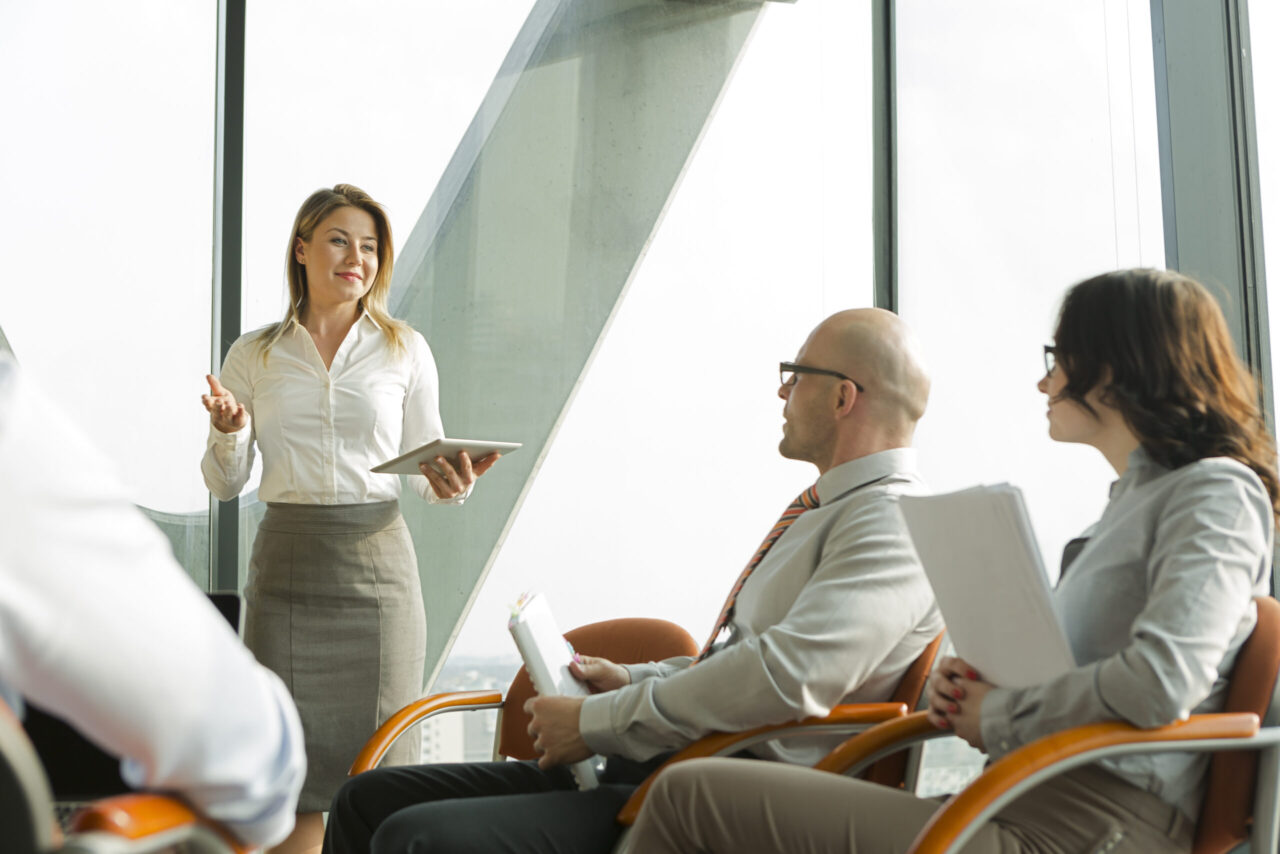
x=980 y=554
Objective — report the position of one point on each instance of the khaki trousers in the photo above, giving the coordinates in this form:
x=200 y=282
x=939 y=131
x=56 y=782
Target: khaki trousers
x=734 y=805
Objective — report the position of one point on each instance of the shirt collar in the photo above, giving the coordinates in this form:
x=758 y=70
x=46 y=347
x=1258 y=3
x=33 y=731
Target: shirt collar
x=364 y=316
x=854 y=474
x=1141 y=469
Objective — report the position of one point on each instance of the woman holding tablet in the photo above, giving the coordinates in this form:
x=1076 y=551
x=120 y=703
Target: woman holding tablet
x=1156 y=603
x=334 y=604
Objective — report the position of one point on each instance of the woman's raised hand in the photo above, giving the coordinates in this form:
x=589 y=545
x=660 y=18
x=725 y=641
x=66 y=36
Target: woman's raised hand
x=225 y=414
x=955 y=694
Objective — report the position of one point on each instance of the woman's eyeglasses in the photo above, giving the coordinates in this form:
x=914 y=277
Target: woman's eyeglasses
x=1050 y=358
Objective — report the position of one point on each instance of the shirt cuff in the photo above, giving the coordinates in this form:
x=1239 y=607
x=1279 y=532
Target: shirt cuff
x=647 y=670
x=595 y=724
x=432 y=498
x=232 y=440
x=996 y=723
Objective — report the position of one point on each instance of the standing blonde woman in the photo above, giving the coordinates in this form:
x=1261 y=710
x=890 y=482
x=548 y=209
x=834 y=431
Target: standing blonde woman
x=334 y=604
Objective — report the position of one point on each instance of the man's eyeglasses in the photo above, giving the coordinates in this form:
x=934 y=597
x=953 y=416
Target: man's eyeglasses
x=788 y=371
x=1050 y=358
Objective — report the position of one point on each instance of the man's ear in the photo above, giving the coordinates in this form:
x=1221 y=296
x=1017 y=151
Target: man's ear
x=848 y=395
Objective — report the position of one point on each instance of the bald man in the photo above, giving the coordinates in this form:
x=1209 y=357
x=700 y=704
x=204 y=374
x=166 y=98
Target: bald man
x=834 y=612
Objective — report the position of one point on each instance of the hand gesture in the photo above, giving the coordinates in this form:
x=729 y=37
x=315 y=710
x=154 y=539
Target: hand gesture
x=955 y=693
x=225 y=413
x=600 y=674
x=449 y=480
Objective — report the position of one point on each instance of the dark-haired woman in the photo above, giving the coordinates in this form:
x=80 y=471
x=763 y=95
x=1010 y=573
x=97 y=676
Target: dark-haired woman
x=1156 y=605
x=333 y=599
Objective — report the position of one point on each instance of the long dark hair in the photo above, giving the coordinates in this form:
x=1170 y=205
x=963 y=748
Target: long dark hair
x=1156 y=346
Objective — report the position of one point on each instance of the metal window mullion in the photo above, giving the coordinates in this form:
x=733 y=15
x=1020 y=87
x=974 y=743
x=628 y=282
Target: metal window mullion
x=228 y=206
x=884 y=154
x=1201 y=54
x=1252 y=260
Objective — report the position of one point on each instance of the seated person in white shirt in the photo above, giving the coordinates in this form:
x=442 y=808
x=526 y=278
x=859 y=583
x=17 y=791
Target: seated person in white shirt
x=101 y=627
x=833 y=612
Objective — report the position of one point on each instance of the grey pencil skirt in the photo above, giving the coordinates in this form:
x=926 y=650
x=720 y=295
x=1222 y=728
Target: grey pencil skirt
x=334 y=607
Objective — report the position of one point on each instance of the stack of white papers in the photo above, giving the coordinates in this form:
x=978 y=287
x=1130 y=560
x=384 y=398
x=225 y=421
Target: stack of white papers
x=979 y=552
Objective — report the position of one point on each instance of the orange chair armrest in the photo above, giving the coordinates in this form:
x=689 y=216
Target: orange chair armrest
x=138 y=816
x=959 y=812
x=380 y=742
x=888 y=737
x=850 y=714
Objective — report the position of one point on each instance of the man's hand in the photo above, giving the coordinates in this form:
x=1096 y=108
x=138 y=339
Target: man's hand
x=955 y=693
x=600 y=674
x=555 y=731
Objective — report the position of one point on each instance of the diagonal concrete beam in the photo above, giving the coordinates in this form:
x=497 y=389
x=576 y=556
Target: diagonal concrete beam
x=522 y=254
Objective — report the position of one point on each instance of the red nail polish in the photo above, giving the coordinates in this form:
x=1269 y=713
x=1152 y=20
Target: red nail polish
x=954 y=707
x=972 y=674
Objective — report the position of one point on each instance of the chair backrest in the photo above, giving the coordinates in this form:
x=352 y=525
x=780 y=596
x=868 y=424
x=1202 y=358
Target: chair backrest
x=1227 y=810
x=631 y=640
x=892 y=770
x=26 y=804
x=911 y=689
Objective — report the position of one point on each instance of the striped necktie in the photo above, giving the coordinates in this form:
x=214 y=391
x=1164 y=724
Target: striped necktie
x=806 y=500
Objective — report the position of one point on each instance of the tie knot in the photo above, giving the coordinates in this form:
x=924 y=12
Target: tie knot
x=809 y=498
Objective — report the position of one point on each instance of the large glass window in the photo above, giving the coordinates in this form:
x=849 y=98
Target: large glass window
x=108 y=165
x=387 y=121
x=664 y=474
x=1027 y=161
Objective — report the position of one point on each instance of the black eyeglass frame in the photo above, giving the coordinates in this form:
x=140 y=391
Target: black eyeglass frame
x=792 y=368
x=1050 y=358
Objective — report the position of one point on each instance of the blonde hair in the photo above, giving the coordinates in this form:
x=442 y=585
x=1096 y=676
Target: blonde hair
x=319 y=205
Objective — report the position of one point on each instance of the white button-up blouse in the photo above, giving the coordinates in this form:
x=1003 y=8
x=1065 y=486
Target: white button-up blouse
x=320 y=431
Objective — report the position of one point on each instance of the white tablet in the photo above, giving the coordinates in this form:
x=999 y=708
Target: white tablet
x=447 y=448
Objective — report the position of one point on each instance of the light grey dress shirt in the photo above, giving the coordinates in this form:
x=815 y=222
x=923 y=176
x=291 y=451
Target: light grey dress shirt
x=1156 y=606
x=835 y=613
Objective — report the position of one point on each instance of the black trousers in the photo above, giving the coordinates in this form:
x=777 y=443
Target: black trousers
x=480 y=807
